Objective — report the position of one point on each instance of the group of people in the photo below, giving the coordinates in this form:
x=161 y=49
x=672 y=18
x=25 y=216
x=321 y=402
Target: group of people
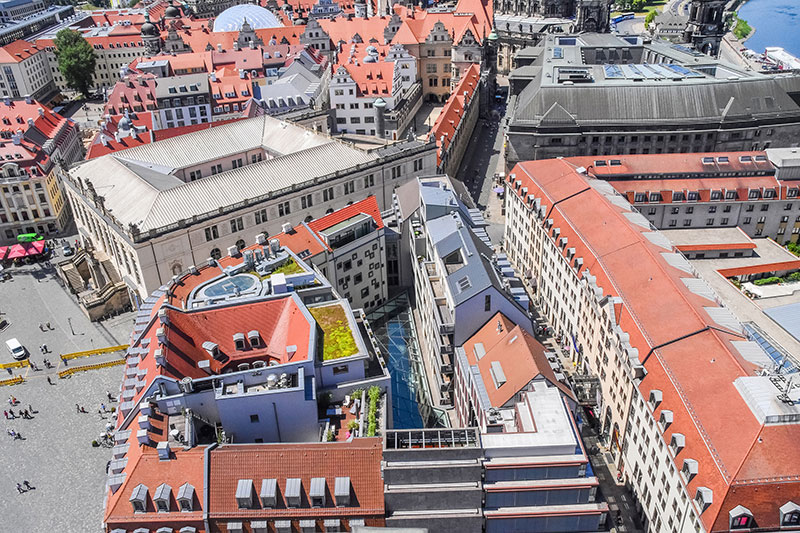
x=10 y=415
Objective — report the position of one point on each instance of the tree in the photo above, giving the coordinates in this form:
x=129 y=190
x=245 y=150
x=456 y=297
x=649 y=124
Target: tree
x=651 y=16
x=76 y=60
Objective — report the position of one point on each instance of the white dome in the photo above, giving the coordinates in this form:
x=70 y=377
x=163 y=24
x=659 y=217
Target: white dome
x=256 y=16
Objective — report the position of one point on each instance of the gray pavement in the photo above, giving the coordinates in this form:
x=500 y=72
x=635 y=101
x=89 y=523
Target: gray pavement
x=56 y=455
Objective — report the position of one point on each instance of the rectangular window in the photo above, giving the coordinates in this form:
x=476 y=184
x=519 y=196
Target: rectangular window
x=253 y=419
x=369 y=181
x=327 y=194
x=212 y=233
x=237 y=225
x=306 y=201
x=284 y=209
x=261 y=216
x=487 y=302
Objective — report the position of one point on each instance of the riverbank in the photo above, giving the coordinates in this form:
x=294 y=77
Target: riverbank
x=772 y=23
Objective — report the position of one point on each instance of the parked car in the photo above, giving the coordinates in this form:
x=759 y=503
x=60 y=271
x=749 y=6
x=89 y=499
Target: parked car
x=16 y=349
x=67 y=250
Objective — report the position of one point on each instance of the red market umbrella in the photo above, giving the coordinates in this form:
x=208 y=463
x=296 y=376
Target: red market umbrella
x=34 y=248
x=3 y=252
x=16 y=251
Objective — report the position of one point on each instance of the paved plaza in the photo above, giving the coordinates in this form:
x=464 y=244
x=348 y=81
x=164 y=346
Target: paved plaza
x=55 y=454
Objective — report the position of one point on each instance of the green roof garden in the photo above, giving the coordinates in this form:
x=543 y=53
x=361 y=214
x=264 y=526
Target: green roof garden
x=288 y=268
x=338 y=340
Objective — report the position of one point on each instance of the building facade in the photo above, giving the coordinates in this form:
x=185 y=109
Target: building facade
x=595 y=283
x=601 y=95
x=151 y=245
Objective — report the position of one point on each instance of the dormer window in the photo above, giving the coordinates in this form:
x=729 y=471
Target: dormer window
x=741 y=518
x=665 y=420
x=341 y=491
x=238 y=340
x=139 y=498
x=244 y=494
x=689 y=469
x=186 y=497
x=211 y=348
x=790 y=514
x=655 y=398
x=254 y=338
x=162 y=498
x=704 y=498
x=317 y=492
x=269 y=493
x=293 y=491
x=677 y=442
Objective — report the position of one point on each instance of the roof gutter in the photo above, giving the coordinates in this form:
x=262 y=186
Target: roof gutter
x=206 y=475
x=692 y=334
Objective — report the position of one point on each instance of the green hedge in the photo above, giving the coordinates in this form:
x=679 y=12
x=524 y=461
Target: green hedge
x=374 y=394
x=768 y=281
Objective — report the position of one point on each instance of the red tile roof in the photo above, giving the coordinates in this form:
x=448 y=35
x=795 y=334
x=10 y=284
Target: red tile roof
x=452 y=113
x=98 y=147
x=695 y=374
x=17 y=51
x=302 y=239
x=521 y=356
x=360 y=460
x=144 y=466
x=416 y=30
x=341 y=29
x=368 y=206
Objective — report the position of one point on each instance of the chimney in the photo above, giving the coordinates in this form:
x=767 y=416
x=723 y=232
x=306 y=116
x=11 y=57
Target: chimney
x=30 y=122
x=16 y=138
x=41 y=112
x=219 y=47
x=7 y=101
x=213 y=76
x=28 y=99
x=236 y=45
x=163 y=451
x=242 y=74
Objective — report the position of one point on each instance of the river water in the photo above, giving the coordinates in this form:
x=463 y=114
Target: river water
x=776 y=23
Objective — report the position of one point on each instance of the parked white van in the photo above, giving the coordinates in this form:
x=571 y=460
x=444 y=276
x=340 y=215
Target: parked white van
x=16 y=349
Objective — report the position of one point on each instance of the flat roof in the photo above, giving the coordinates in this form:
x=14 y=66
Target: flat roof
x=698 y=239
x=787 y=317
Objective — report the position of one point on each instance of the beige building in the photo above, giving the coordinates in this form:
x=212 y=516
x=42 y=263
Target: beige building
x=208 y=193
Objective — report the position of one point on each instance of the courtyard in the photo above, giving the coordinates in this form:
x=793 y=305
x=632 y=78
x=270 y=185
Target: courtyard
x=55 y=453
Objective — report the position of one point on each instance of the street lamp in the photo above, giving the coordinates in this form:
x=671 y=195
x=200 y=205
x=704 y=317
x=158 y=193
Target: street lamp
x=69 y=321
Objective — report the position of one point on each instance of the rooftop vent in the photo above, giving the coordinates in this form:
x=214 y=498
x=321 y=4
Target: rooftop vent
x=341 y=491
x=317 y=492
x=293 y=491
x=244 y=493
x=269 y=493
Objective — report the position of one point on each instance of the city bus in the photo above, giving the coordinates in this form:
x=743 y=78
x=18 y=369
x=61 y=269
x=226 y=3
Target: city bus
x=623 y=16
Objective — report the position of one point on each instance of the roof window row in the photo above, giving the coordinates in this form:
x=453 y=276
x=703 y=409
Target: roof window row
x=293 y=494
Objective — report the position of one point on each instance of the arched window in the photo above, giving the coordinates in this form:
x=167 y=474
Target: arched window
x=240 y=244
x=215 y=253
x=329 y=211
x=308 y=219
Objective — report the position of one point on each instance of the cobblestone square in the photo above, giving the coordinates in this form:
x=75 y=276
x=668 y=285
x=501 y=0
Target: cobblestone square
x=55 y=454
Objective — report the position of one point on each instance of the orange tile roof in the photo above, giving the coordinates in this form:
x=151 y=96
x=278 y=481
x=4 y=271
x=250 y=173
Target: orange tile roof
x=452 y=113
x=695 y=374
x=341 y=29
x=416 y=30
x=521 y=356
x=360 y=460
x=690 y=163
x=301 y=239
x=17 y=51
x=144 y=466
x=97 y=148
x=368 y=206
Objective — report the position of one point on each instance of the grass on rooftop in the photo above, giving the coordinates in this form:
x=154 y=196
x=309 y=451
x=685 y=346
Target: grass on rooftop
x=288 y=268
x=338 y=340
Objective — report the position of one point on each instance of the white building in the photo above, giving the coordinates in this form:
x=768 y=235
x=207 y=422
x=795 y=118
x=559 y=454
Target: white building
x=372 y=84
x=201 y=193
x=684 y=402
x=25 y=71
x=458 y=283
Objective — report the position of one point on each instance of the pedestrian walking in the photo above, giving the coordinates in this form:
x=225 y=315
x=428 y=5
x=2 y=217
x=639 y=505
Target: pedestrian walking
x=50 y=327
x=77 y=408
x=32 y=365
x=41 y=349
x=26 y=414
x=48 y=380
x=110 y=398
x=28 y=485
x=44 y=347
x=83 y=410
x=30 y=408
x=19 y=488
x=5 y=414
x=11 y=433
x=41 y=327
x=103 y=407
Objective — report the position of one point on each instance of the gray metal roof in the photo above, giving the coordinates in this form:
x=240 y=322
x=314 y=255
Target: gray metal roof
x=293 y=487
x=342 y=487
x=317 y=489
x=787 y=317
x=146 y=172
